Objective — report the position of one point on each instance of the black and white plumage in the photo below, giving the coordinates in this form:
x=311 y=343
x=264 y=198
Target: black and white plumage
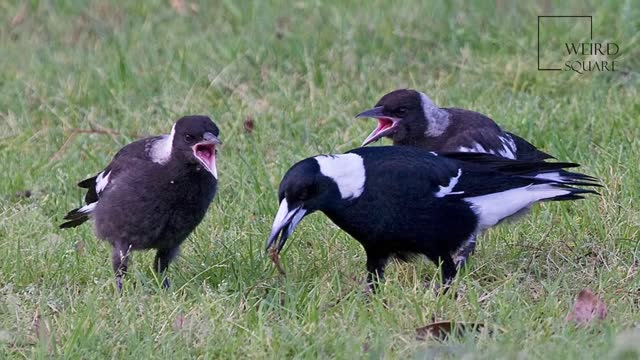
x=410 y=118
x=402 y=201
x=153 y=194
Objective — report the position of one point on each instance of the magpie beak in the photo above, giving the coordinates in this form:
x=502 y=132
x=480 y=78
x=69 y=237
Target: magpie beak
x=205 y=152
x=386 y=124
x=286 y=220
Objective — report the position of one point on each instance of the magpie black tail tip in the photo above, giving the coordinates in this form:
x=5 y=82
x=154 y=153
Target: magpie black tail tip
x=73 y=223
x=75 y=218
x=74 y=214
x=575 y=194
x=582 y=177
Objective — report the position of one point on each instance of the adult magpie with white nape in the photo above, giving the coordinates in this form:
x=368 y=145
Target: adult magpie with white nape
x=399 y=201
x=409 y=117
x=153 y=194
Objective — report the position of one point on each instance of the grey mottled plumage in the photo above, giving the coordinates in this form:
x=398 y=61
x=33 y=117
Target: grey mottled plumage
x=153 y=194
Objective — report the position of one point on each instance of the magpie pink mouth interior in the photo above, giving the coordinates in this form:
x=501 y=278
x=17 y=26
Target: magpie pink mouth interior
x=384 y=124
x=205 y=152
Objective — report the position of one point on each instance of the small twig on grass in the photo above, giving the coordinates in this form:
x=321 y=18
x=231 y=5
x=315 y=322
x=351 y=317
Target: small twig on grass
x=73 y=134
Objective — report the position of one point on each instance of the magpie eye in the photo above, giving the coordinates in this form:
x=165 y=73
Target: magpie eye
x=402 y=111
x=188 y=138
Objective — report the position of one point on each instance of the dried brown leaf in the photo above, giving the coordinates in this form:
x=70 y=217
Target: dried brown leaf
x=179 y=322
x=587 y=308
x=20 y=16
x=179 y=6
x=248 y=125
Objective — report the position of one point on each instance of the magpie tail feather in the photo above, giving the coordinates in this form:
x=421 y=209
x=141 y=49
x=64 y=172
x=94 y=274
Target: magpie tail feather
x=74 y=223
x=567 y=177
x=573 y=182
x=574 y=193
x=77 y=216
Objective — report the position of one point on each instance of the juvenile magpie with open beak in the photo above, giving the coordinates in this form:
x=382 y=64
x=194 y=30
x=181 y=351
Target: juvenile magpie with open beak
x=409 y=117
x=399 y=201
x=153 y=194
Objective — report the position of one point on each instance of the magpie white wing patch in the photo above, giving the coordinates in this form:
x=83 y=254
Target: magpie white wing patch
x=102 y=180
x=508 y=147
x=492 y=208
x=448 y=190
x=346 y=170
x=474 y=148
x=88 y=209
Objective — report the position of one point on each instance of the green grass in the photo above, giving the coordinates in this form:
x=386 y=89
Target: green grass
x=302 y=70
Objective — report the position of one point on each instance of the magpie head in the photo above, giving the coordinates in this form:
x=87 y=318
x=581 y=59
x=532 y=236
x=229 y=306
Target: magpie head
x=324 y=183
x=406 y=116
x=399 y=113
x=195 y=138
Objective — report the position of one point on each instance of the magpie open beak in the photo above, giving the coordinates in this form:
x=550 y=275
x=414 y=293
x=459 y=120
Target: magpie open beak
x=205 y=152
x=386 y=124
x=286 y=220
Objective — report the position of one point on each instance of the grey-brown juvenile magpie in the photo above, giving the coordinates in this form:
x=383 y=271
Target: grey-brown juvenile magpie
x=153 y=194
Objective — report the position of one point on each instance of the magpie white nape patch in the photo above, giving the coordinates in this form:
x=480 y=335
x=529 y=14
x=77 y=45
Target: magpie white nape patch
x=437 y=119
x=493 y=208
x=161 y=148
x=448 y=190
x=346 y=170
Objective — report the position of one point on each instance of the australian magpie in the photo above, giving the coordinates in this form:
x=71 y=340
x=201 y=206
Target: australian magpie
x=399 y=201
x=153 y=194
x=409 y=117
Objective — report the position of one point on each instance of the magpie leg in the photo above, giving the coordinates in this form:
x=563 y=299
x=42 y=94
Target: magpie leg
x=120 y=260
x=375 y=271
x=162 y=261
x=449 y=271
x=468 y=248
